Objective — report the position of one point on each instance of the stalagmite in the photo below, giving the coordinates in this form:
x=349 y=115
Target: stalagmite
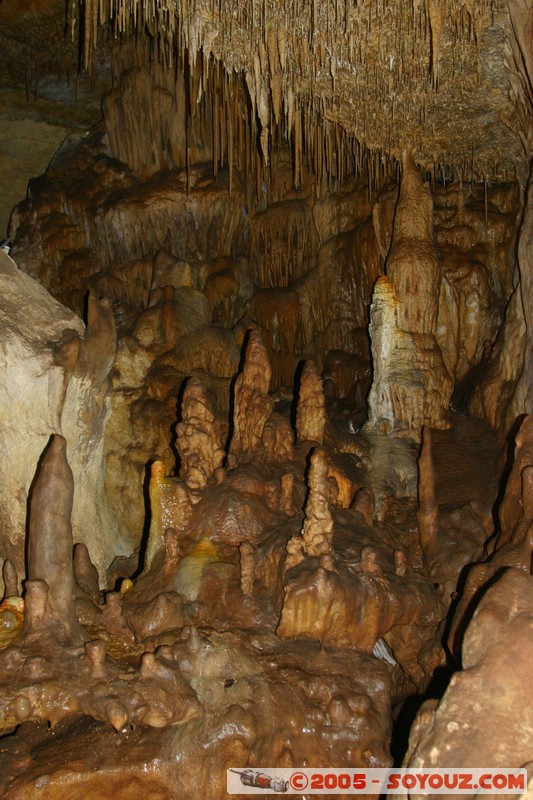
x=286 y=504
x=252 y=403
x=170 y=508
x=310 y=412
x=317 y=530
x=10 y=578
x=295 y=552
x=199 y=437
x=411 y=386
x=85 y=572
x=278 y=439
x=50 y=535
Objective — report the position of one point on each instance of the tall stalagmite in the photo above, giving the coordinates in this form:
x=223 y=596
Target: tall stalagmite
x=317 y=530
x=50 y=533
x=311 y=413
x=411 y=386
x=252 y=403
x=199 y=438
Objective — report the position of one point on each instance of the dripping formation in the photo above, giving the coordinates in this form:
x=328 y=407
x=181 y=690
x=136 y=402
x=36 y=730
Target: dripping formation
x=335 y=80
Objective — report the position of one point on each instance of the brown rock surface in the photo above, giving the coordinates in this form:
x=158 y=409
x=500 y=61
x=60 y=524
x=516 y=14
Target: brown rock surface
x=252 y=185
x=252 y=404
x=310 y=412
x=488 y=694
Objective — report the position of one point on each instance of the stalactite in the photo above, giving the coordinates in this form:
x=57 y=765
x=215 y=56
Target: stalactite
x=300 y=56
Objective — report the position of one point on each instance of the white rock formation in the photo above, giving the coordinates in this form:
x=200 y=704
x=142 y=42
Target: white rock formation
x=411 y=386
x=53 y=379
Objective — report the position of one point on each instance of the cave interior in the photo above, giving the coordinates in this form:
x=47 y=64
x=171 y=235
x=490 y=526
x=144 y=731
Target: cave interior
x=266 y=344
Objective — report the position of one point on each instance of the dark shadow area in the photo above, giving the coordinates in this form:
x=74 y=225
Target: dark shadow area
x=296 y=392
x=147 y=517
x=231 y=411
x=506 y=468
x=404 y=719
x=470 y=609
x=173 y=432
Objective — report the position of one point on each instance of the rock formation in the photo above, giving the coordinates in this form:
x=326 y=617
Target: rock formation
x=50 y=536
x=411 y=386
x=199 y=438
x=513 y=544
x=427 y=503
x=310 y=412
x=252 y=403
x=240 y=211
x=318 y=525
x=505 y=390
x=495 y=653
x=170 y=508
x=54 y=381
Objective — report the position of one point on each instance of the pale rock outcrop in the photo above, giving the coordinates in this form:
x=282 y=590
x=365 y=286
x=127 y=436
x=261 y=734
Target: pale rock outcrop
x=54 y=379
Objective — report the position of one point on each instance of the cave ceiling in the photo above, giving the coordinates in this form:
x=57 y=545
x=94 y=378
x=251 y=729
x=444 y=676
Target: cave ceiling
x=430 y=74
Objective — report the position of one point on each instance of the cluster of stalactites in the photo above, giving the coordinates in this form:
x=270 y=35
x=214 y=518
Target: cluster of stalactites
x=308 y=66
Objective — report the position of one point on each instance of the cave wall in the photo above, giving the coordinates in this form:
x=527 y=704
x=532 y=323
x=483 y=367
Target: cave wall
x=233 y=239
x=237 y=246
